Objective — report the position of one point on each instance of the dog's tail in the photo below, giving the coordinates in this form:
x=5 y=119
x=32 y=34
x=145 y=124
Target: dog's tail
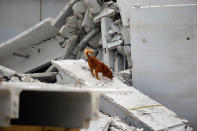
x=86 y=51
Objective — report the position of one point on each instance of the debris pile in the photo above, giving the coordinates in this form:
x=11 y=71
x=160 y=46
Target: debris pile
x=82 y=30
x=41 y=54
x=81 y=24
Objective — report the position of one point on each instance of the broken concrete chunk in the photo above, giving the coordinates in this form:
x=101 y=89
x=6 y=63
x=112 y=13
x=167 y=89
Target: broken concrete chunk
x=126 y=52
x=113 y=45
x=93 y=6
x=59 y=39
x=118 y=63
x=116 y=38
x=42 y=75
x=117 y=22
x=87 y=21
x=79 y=15
x=126 y=76
x=106 y=12
x=71 y=21
x=115 y=28
x=67 y=32
x=124 y=49
x=79 y=23
x=94 y=42
x=79 y=7
x=117 y=125
x=85 y=40
x=69 y=45
x=126 y=34
x=102 y=124
x=28 y=79
x=15 y=79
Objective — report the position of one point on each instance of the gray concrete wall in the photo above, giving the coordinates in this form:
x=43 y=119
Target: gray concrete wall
x=164 y=52
x=19 y=15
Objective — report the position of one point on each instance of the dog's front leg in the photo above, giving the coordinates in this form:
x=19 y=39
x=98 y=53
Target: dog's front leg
x=97 y=75
x=92 y=72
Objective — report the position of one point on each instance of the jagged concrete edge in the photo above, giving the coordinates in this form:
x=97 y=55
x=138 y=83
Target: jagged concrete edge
x=9 y=43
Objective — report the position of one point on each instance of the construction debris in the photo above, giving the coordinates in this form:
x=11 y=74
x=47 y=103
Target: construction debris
x=121 y=104
x=38 y=55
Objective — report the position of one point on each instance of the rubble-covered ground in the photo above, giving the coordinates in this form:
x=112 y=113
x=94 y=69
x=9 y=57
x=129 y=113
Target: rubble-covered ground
x=87 y=24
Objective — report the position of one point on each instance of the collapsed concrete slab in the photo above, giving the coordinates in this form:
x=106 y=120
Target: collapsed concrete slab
x=32 y=48
x=134 y=107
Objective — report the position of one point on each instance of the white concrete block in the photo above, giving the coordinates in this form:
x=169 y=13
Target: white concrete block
x=67 y=31
x=106 y=12
x=70 y=45
x=93 y=6
x=71 y=21
x=79 y=7
x=116 y=38
x=87 y=21
x=113 y=45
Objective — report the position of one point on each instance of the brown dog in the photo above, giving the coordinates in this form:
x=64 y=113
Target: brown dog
x=96 y=65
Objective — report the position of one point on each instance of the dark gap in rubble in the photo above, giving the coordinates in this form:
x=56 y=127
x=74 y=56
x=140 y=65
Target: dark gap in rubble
x=117 y=16
x=108 y=0
x=42 y=69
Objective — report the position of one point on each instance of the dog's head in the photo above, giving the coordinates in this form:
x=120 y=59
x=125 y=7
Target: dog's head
x=106 y=71
x=109 y=74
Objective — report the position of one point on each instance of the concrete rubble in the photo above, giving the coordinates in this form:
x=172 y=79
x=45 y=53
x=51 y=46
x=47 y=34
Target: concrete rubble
x=132 y=107
x=50 y=51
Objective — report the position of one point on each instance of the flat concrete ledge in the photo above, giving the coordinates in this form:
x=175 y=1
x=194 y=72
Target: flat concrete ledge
x=133 y=106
